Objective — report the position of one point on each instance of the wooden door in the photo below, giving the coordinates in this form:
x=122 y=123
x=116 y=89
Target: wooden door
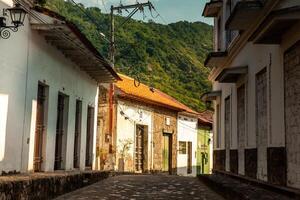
x=139 y=149
x=78 y=112
x=189 y=160
x=59 y=133
x=39 y=129
x=89 y=137
x=167 y=164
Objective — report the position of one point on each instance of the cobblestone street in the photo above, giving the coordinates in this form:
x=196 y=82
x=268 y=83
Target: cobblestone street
x=145 y=187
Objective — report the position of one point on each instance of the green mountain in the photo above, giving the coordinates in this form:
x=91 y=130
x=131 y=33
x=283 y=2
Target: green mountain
x=168 y=57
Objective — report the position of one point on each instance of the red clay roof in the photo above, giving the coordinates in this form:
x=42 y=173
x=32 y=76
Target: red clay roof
x=144 y=94
x=206 y=117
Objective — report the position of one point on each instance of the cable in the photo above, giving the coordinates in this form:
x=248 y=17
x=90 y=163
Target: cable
x=103 y=4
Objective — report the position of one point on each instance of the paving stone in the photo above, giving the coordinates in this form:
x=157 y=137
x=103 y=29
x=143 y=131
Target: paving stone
x=144 y=187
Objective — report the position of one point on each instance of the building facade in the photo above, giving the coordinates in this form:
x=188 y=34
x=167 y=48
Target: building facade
x=187 y=145
x=144 y=130
x=49 y=100
x=255 y=74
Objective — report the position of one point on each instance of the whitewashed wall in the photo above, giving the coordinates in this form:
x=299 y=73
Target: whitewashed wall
x=126 y=129
x=187 y=132
x=25 y=60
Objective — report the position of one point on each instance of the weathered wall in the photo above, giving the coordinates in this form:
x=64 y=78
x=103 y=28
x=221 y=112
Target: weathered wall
x=134 y=114
x=292 y=113
x=159 y=128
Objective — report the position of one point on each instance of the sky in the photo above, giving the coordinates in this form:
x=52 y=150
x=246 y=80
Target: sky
x=169 y=10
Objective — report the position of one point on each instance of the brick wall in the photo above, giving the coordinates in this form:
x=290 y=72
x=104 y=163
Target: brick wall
x=292 y=113
x=261 y=124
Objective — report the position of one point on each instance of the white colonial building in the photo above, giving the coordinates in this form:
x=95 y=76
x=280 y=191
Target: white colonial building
x=256 y=92
x=48 y=95
x=187 y=144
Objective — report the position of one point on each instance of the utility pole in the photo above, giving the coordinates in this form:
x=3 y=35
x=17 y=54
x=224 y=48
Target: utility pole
x=136 y=7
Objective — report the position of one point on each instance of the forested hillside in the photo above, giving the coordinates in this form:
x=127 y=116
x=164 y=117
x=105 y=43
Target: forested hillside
x=167 y=57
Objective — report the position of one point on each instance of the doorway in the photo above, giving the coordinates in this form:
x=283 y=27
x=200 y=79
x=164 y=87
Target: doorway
x=77 y=141
x=61 y=131
x=89 y=137
x=167 y=152
x=39 y=143
x=141 y=148
x=189 y=159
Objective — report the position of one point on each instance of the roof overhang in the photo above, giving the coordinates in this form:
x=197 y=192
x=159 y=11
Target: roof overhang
x=211 y=96
x=68 y=39
x=275 y=25
x=243 y=14
x=231 y=75
x=212 y=8
x=215 y=59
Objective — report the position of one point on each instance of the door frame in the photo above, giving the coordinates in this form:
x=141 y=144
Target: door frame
x=170 y=137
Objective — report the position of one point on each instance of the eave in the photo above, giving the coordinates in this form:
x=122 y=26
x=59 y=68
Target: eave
x=211 y=96
x=275 y=25
x=231 y=75
x=69 y=40
x=243 y=14
x=215 y=59
x=212 y=8
x=145 y=101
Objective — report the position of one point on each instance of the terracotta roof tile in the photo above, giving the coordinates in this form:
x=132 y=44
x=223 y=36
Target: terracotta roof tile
x=143 y=93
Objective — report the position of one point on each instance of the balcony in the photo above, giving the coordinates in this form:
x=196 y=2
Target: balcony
x=232 y=75
x=215 y=59
x=212 y=8
x=243 y=14
x=275 y=26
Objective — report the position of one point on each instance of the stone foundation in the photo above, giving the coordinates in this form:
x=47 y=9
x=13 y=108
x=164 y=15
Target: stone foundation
x=277 y=165
x=234 y=164
x=251 y=163
x=219 y=159
x=46 y=185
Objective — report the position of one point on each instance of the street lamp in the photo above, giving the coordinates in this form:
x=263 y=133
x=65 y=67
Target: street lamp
x=17 y=17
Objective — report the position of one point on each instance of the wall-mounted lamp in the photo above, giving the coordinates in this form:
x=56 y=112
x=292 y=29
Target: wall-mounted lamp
x=17 y=16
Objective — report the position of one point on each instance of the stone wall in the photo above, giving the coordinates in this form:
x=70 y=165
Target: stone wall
x=46 y=186
x=105 y=151
x=159 y=128
x=292 y=113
